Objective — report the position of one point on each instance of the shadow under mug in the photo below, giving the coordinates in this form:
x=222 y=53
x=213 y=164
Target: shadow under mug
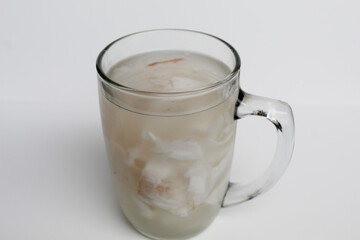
x=171 y=168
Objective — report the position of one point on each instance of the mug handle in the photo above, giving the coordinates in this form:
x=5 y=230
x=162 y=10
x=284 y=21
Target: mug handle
x=280 y=114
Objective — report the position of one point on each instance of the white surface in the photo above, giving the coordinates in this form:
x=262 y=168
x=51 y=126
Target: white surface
x=54 y=178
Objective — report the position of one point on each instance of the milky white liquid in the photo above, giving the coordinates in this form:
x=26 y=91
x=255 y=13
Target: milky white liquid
x=170 y=172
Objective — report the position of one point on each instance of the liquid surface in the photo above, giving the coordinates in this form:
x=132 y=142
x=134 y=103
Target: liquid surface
x=170 y=173
x=168 y=71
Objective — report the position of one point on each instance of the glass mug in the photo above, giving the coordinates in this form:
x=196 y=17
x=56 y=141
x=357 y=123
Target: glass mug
x=170 y=141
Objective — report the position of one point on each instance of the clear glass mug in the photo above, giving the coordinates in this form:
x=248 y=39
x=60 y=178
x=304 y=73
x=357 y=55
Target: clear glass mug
x=171 y=152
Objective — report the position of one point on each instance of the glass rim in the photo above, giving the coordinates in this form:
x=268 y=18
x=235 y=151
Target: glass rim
x=223 y=81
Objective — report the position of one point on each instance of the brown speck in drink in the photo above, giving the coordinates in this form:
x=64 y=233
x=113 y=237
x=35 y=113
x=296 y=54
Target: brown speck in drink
x=175 y=60
x=193 y=207
x=162 y=189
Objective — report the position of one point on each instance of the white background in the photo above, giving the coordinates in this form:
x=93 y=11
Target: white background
x=54 y=178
